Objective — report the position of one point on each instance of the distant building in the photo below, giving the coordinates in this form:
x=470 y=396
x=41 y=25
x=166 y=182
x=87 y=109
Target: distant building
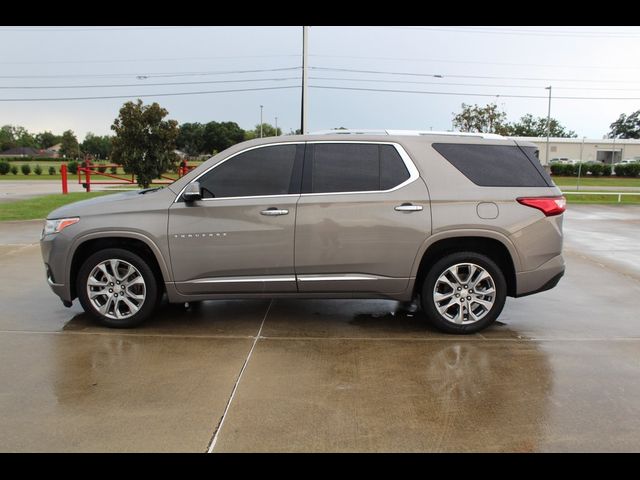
x=54 y=150
x=21 y=152
x=604 y=150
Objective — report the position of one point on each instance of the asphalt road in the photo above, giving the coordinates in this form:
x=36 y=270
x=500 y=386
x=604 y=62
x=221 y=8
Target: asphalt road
x=559 y=372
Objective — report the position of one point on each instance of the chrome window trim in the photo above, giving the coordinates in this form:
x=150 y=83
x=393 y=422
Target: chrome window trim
x=413 y=171
x=414 y=174
x=229 y=158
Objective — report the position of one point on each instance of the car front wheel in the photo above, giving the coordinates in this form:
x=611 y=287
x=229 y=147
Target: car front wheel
x=117 y=287
x=464 y=292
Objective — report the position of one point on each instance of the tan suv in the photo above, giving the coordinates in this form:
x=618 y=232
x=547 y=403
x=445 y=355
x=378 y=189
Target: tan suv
x=459 y=220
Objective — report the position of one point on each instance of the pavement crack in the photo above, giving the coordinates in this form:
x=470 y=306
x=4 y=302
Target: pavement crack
x=216 y=432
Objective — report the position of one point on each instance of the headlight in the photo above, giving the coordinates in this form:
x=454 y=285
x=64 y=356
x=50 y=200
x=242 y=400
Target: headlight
x=56 y=226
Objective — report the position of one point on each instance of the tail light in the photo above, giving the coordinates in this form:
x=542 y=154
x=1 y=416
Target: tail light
x=548 y=205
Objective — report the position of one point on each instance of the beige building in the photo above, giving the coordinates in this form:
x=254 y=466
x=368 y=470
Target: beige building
x=586 y=149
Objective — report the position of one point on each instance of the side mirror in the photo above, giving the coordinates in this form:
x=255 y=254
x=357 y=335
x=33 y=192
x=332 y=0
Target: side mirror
x=192 y=192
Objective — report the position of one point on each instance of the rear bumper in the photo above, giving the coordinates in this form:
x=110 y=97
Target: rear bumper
x=545 y=277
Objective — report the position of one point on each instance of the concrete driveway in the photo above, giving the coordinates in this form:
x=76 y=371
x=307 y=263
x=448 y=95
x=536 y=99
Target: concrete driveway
x=559 y=372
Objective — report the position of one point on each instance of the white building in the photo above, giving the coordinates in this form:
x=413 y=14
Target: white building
x=585 y=149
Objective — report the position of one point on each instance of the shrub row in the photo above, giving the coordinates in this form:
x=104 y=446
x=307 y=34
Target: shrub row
x=32 y=159
x=628 y=170
x=569 y=170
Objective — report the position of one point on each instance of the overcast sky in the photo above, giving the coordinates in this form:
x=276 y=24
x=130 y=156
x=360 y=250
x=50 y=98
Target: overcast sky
x=491 y=61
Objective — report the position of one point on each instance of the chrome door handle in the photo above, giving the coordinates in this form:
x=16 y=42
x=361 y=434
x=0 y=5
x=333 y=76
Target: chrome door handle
x=407 y=207
x=272 y=212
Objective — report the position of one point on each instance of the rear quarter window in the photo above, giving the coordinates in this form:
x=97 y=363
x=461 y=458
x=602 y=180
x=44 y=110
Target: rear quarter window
x=495 y=165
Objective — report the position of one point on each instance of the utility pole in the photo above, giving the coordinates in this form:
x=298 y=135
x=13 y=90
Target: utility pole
x=260 y=121
x=305 y=48
x=277 y=127
x=548 y=123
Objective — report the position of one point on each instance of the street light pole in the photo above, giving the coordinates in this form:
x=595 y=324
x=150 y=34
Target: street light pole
x=277 y=127
x=260 y=121
x=303 y=120
x=548 y=123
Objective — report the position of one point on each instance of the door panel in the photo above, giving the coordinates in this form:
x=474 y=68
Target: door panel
x=229 y=245
x=358 y=241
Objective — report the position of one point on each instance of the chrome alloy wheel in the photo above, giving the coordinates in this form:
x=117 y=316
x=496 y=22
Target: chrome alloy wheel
x=464 y=293
x=116 y=289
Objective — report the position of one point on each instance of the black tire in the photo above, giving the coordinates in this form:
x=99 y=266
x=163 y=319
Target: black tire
x=149 y=303
x=438 y=268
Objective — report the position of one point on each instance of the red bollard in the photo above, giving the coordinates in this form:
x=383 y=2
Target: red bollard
x=63 y=173
x=88 y=177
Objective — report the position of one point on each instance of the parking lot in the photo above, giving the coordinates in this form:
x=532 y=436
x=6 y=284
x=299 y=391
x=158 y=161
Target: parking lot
x=559 y=372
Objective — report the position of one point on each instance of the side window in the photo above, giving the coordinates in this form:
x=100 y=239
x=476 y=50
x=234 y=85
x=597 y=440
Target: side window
x=355 y=167
x=261 y=171
x=393 y=171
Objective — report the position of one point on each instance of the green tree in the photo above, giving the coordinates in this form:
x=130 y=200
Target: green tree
x=487 y=119
x=144 y=142
x=530 y=126
x=70 y=147
x=191 y=138
x=47 y=139
x=7 y=140
x=268 y=130
x=220 y=136
x=15 y=136
x=626 y=126
x=98 y=146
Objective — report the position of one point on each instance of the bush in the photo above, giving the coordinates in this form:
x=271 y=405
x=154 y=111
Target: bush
x=52 y=170
x=556 y=169
x=102 y=169
x=114 y=170
x=5 y=167
x=606 y=170
x=72 y=167
x=14 y=169
x=37 y=170
x=25 y=168
x=595 y=169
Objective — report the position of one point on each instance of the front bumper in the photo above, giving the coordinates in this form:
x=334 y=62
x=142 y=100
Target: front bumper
x=54 y=256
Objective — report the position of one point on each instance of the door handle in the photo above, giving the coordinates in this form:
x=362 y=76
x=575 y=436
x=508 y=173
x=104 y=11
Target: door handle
x=407 y=207
x=273 y=211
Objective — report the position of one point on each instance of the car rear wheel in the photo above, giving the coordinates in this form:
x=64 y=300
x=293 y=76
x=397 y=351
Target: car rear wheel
x=117 y=287
x=464 y=292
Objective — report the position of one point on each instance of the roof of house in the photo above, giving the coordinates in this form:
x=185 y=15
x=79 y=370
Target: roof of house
x=24 y=151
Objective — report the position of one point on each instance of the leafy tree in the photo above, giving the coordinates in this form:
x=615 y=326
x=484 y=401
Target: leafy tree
x=220 y=136
x=268 y=130
x=38 y=170
x=144 y=142
x=191 y=138
x=72 y=167
x=530 y=126
x=14 y=169
x=626 y=126
x=5 y=167
x=98 y=146
x=487 y=119
x=47 y=139
x=298 y=131
x=15 y=136
x=52 y=170
x=70 y=147
x=26 y=168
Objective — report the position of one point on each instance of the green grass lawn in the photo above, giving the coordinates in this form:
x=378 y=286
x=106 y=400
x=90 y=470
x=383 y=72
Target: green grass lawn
x=603 y=199
x=39 y=207
x=597 y=181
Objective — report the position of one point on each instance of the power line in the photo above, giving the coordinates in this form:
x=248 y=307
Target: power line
x=98 y=28
x=152 y=75
x=471 y=94
x=139 y=60
x=535 y=87
x=46 y=87
x=145 y=95
x=493 y=77
x=476 y=62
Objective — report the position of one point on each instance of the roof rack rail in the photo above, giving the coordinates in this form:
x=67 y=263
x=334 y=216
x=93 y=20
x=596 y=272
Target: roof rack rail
x=406 y=132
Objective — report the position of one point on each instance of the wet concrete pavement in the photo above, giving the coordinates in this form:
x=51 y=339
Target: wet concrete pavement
x=559 y=372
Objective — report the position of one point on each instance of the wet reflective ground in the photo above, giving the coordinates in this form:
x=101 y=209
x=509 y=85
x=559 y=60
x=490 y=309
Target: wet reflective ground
x=560 y=372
